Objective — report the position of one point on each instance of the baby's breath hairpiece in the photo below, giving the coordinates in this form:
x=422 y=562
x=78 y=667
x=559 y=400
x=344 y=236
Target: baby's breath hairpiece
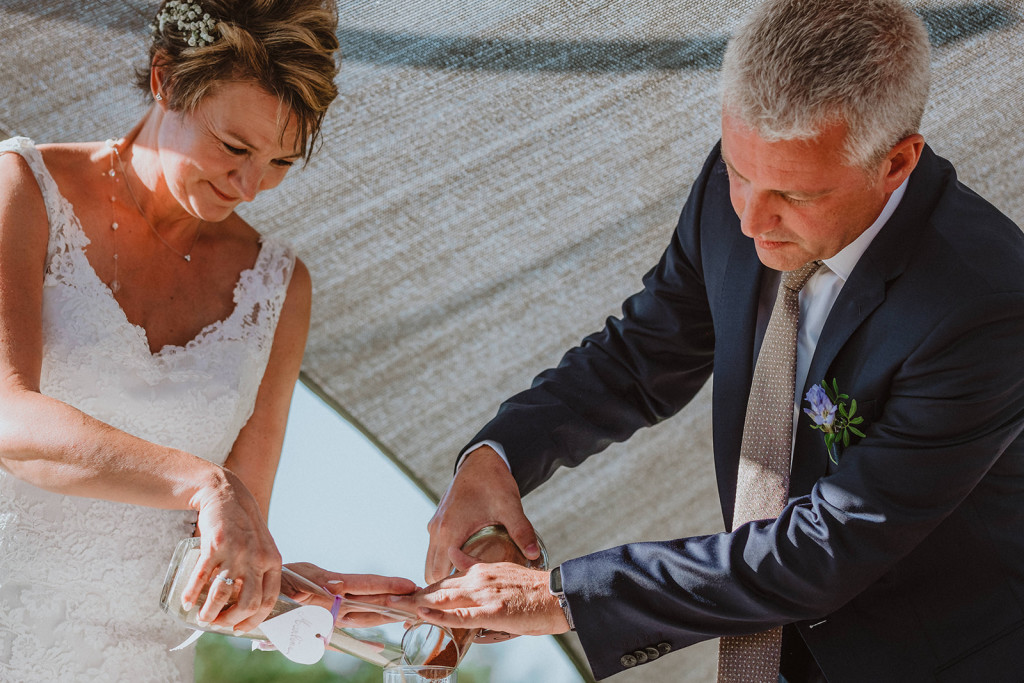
x=199 y=27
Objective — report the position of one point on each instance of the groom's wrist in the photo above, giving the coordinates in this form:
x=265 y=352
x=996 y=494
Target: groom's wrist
x=482 y=447
x=555 y=588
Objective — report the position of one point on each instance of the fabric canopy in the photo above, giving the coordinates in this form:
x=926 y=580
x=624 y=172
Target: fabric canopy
x=494 y=180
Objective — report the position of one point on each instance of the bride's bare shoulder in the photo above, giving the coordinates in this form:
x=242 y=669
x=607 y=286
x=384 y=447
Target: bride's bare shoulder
x=73 y=161
x=80 y=170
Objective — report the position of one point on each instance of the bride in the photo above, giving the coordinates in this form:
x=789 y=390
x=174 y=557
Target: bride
x=150 y=340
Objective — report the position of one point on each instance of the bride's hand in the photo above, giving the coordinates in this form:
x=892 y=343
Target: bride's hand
x=366 y=588
x=239 y=560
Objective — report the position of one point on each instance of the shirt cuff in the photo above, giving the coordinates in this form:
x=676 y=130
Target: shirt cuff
x=498 y=448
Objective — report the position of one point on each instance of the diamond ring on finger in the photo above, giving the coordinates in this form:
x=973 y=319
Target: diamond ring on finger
x=223 y=578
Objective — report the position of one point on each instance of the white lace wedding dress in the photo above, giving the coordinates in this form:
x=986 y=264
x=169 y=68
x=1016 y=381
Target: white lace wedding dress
x=80 y=579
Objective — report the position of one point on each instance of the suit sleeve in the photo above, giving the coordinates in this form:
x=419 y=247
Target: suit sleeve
x=640 y=369
x=950 y=427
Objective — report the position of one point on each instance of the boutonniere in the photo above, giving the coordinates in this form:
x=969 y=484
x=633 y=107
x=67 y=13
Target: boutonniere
x=833 y=417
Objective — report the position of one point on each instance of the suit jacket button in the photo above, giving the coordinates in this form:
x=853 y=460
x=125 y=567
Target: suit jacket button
x=641 y=657
x=664 y=648
x=628 y=661
x=652 y=652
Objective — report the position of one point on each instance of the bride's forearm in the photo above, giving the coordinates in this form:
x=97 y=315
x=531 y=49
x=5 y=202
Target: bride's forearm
x=54 y=446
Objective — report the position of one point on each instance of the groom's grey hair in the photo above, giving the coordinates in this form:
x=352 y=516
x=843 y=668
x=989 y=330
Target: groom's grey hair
x=796 y=67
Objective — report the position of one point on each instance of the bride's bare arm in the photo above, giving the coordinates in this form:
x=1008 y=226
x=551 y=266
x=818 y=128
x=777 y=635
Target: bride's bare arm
x=256 y=452
x=56 y=447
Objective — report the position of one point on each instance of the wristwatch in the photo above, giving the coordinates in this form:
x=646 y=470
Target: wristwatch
x=555 y=587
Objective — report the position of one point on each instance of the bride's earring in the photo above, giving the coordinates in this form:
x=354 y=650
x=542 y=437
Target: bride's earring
x=158 y=97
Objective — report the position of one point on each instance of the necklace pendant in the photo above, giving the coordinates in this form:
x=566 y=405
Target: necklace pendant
x=188 y=257
x=115 y=286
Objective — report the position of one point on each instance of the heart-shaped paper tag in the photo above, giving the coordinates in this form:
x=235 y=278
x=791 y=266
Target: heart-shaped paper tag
x=300 y=634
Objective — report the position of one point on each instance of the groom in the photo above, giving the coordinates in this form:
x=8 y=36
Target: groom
x=897 y=556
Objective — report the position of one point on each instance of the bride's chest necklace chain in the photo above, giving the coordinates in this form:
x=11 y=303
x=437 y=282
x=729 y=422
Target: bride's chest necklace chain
x=113 y=173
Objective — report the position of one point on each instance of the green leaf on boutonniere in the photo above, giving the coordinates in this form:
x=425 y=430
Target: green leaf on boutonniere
x=832 y=417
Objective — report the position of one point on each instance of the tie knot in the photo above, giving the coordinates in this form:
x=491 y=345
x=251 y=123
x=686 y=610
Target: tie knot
x=796 y=279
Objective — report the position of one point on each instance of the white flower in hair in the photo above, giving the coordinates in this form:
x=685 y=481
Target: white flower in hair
x=189 y=18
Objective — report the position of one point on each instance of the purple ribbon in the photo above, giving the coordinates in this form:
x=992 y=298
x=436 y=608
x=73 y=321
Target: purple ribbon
x=334 y=617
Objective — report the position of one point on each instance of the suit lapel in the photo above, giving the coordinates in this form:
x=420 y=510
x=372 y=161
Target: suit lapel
x=883 y=261
x=860 y=296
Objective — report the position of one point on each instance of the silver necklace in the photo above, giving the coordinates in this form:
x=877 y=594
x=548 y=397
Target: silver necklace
x=115 y=284
x=187 y=256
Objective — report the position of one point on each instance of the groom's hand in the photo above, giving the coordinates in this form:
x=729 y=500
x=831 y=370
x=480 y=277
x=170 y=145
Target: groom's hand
x=483 y=492
x=500 y=596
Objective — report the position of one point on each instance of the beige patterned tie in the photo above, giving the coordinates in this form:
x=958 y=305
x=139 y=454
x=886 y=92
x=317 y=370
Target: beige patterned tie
x=762 y=485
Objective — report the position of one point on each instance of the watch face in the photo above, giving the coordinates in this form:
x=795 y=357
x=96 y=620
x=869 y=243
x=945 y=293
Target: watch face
x=555 y=582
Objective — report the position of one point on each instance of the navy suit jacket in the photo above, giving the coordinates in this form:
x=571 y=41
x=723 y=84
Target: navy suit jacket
x=904 y=562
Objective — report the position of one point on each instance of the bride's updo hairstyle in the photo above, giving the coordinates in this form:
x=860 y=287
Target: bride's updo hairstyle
x=286 y=47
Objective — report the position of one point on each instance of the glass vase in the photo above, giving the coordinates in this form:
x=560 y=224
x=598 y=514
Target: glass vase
x=420 y=674
x=489 y=544
x=407 y=640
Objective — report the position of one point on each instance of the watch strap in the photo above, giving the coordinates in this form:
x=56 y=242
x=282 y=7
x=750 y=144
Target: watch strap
x=555 y=588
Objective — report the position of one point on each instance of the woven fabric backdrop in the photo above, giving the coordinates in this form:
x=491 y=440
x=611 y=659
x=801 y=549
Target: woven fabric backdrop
x=495 y=179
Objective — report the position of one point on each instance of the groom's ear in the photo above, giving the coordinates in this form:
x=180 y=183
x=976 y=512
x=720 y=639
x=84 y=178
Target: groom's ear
x=901 y=161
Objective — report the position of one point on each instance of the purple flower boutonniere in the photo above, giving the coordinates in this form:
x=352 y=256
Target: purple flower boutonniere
x=832 y=417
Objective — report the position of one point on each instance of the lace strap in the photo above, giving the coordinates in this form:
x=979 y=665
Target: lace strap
x=58 y=211
x=274 y=265
x=262 y=289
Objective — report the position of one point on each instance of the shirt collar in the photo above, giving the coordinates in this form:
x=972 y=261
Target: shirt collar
x=843 y=263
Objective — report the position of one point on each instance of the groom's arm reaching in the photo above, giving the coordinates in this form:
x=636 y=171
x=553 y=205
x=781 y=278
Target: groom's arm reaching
x=640 y=369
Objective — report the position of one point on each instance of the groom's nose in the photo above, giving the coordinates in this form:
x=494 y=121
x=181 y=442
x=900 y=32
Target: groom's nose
x=757 y=212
